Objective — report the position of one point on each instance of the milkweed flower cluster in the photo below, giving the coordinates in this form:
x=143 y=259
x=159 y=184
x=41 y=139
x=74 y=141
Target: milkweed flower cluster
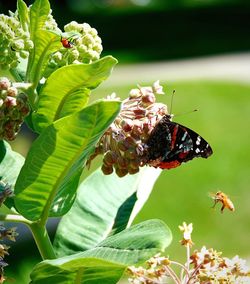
x=124 y=143
x=5 y=192
x=85 y=47
x=5 y=234
x=14 y=108
x=204 y=266
x=15 y=42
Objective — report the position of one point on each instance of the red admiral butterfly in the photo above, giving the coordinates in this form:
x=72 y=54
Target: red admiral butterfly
x=170 y=144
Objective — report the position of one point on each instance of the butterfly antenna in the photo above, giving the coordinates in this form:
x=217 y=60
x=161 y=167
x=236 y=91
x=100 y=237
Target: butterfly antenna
x=171 y=103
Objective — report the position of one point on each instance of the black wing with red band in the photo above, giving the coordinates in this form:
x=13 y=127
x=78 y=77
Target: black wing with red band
x=170 y=144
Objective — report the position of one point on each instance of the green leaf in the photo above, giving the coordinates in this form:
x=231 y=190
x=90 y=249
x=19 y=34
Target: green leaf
x=10 y=167
x=23 y=14
x=39 y=12
x=11 y=164
x=107 y=262
x=65 y=90
x=104 y=205
x=49 y=177
x=2 y=150
x=87 y=270
x=45 y=43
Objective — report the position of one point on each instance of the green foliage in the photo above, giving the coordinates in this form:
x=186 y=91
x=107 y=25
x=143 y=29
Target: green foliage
x=58 y=157
x=106 y=262
x=112 y=202
x=46 y=43
x=38 y=15
x=67 y=90
x=23 y=14
x=11 y=163
x=2 y=150
x=39 y=12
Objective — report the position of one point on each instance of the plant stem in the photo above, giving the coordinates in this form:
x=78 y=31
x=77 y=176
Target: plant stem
x=79 y=276
x=39 y=232
x=32 y=95
x=172 y=274
x=14 y=218
x=42 y=240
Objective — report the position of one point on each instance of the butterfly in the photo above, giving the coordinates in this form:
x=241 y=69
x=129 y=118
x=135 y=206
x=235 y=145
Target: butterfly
x=171 y=144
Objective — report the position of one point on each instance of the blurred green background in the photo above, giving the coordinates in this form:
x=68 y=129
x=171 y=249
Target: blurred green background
x=158 y=32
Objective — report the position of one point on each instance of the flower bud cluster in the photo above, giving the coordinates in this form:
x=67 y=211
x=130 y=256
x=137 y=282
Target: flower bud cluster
x=51 y=24
x=85 y=46
x=14 y=108
x=205 y=266
x=123 y=144
x=210 y=267
x=5 y=192
x=15 y=43
x=157 y=271
x=9 y=234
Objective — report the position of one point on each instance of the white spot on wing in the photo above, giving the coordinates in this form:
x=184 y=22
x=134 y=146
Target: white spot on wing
x=198 y=140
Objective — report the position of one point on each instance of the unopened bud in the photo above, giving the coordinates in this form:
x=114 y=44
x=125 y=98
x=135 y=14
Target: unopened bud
x=12 y=92
x=133 y=171
x=121 y=172
x=25 y=110
x=137 y=130
x=122 y=163
x=21 y=100
x=129 y=141
x=134 y=93
x=139 y=113
x=109 y=158
x=130 y=154
x=107 y=170
x=10 y=102
x=4 y=83
x=148 y=99
x=122 y=146
x=126 y=125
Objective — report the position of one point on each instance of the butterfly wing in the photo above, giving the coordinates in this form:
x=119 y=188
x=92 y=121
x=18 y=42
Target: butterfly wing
x=170 y=144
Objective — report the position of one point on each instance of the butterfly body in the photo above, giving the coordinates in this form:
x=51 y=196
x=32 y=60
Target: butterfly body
x=171 y=144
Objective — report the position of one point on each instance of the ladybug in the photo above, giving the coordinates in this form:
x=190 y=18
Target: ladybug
x=66 y=43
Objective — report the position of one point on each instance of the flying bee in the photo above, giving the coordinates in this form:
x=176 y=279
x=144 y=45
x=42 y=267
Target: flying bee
x=226 y=202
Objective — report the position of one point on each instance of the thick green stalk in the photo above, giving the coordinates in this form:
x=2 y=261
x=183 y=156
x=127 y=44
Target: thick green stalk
x=14 y=218
x=42 y=240
x=39 y=232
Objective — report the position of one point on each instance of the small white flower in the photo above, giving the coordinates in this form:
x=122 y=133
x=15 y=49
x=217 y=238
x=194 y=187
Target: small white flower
x=157 y=88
